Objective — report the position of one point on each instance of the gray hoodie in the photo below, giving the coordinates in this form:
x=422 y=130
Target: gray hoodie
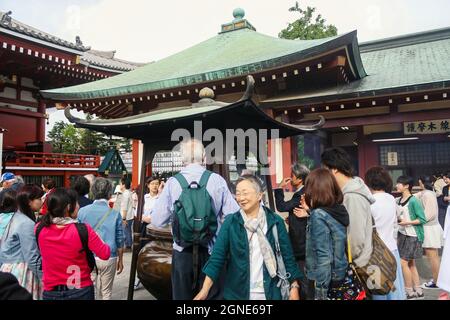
x=357 y=201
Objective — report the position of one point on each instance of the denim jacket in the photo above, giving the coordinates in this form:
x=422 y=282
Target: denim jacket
x=326 y=258
x=110 y=231
x=20 y=244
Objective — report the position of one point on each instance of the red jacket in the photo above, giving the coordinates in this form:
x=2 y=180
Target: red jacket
x=63 y=261
x=44 y=208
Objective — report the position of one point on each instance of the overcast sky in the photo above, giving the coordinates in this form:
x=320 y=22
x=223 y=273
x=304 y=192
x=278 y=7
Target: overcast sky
x=144 y=31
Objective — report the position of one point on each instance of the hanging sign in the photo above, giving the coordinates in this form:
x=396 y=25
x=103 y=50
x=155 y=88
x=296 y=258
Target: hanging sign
x=427 y=127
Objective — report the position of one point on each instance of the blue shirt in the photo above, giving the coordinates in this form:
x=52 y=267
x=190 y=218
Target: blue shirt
x=111 y=231
x=223 y=201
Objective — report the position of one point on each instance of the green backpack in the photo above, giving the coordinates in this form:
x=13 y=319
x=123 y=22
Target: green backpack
x=194 y=219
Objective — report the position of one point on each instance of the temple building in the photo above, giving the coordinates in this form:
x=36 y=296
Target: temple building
x=385 y=101
x=32 y=60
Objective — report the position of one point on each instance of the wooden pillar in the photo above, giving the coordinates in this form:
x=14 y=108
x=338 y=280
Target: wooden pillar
x=368 y=154
x=287 y=157
x=272 y=161
x=66 y=179
x=40 y=127
x=286 y=153
x=149 y=170
x=137 y=222
x=135 y=164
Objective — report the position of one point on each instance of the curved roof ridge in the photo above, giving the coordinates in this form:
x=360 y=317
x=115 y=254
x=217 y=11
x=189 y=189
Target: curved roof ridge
x=23 y=28
x=225 y=55
x=405 y=40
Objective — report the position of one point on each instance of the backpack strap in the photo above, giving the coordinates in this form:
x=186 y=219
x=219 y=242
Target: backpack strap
x=181 y=180
x=84 y=237
x=205 y=177
x=102 y=220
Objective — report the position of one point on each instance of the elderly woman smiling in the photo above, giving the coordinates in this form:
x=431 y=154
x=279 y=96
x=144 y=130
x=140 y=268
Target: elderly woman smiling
x=246 y=243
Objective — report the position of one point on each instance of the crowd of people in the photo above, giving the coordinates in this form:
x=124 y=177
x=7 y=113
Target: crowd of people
x=59 y=242
x=68 y=244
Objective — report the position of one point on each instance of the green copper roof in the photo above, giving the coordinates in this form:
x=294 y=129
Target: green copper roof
x=228 y=54
x=113 y=163
x=403 y=64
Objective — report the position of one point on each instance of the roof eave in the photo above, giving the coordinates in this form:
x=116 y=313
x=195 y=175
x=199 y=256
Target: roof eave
x=286 y=103
x=349 y=40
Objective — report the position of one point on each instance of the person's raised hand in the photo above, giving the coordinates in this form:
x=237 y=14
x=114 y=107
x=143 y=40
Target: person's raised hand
x=300 y=213
x=284 y=182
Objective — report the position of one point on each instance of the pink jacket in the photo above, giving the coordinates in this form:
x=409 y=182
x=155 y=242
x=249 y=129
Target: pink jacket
x=62 y=261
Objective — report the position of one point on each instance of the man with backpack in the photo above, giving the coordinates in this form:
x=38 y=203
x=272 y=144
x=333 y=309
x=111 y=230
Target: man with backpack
x=195 y=201
x=357 y=201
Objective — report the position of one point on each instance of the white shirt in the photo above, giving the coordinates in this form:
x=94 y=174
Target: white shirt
x=149 y=203
x=256 y=266
x=126 y=204
x=384 y=212
x=407 y=230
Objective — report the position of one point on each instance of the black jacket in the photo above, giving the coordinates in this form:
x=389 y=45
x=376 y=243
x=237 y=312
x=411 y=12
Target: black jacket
x=83 y=201
x=10 y=289
x=297 y=226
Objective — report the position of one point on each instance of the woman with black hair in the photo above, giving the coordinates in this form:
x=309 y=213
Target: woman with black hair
x=384 y=213
x=433 y=233
x=74 y=205
x=154 y=188
x=82 y=187
x=19 y=254
x=48 y=185
x=63 y=243
x=29 y=200
x=410 y=236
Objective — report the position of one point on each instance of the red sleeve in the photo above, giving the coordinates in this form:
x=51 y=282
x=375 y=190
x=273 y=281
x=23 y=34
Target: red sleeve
x=44 y=209
x=96 y=244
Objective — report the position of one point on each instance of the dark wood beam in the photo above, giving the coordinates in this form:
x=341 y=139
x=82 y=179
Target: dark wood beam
x=103 y=110
x=19 y=102
x=21 y=112
x=398 y=117
x=118 y=109
x=122 y=114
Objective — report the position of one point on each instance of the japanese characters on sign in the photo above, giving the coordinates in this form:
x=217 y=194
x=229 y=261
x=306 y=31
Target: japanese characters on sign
x=427 y=127
x=392 y=158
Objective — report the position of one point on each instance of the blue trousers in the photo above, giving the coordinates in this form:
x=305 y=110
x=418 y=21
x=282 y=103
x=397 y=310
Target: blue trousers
x=86 y=293
x=128 y=232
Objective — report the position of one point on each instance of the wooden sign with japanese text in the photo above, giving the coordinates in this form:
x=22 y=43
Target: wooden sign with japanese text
x=427 y=127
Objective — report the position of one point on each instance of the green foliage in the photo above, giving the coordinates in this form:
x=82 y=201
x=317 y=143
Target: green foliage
x=302 y=158
x=66 y=138
x=71 y=139
x=306 y=27
x=57 y=136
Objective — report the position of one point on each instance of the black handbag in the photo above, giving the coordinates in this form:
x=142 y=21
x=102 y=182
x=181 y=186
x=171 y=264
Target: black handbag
x=351 y=287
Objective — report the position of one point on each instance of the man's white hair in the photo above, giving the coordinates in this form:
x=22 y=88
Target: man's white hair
x=90 y=178
x=192 y=151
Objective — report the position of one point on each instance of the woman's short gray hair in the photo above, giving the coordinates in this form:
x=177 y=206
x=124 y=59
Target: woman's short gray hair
x=102 y=188
x=254 y=180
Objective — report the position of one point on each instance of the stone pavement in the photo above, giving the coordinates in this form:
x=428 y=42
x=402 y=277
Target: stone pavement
x=120 y=291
